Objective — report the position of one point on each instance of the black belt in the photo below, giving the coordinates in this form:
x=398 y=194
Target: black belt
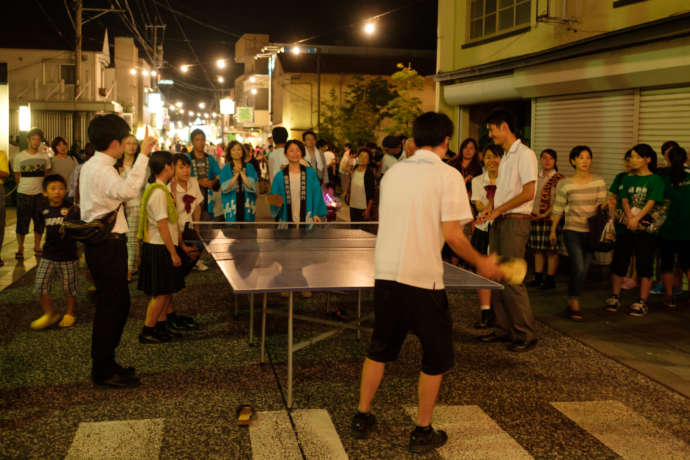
x=117 y=236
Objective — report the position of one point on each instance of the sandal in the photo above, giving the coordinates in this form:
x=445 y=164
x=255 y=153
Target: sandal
x=575 y=315
x=245 y=412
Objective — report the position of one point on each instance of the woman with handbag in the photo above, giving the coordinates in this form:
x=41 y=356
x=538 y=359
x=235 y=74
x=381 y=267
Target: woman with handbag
x=578 y=198
x=640 y=192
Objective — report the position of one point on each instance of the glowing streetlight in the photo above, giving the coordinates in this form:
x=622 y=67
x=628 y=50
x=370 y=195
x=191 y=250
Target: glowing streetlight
x=221 y=79
x=214 y=114
x=154 y=73
x=132 y=71
x=206 y=115
x=202 y=105
x=369 y=28
x=178 y=104
x=172 y=108
x=191 y=114
x=296 y=50
x=254 y=91
x=252 y=79
x=184 y=68
x=145 y=73
x=221 y=63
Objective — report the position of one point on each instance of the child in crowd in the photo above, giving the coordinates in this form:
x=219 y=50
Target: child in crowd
x=483 y=188
x=674 y=236
x=59 y=256
x=545 y=253
x=578 y=199
x=124 y=166
x=165 y=260
x=238 y=180
x=639 y=193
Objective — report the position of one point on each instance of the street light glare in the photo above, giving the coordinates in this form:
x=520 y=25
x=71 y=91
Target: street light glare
x=221 y=63
x=202 y=105
x=184 y=68
x=221 y=79
x=254 y=91
x=178 y=104
x=191 y=114
x=154 y=73
x=252 y=79
x=132 y=71
x=369 y=28
x=296 y=50
x=145 y=73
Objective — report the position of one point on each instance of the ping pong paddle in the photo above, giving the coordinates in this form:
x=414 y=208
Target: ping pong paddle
x=514 y=269
x=275 y=200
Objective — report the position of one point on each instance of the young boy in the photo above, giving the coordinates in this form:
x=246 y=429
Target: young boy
x=59 y=256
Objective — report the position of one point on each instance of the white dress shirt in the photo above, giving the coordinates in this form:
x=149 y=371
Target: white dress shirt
x=518 y=167
x=479 y=194
x=417 y=196
x=101 y=189
x=157 y=209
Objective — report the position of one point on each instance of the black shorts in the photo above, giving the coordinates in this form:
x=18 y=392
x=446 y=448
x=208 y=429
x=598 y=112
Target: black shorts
x=642 y=245
x=668 y=249
x=29 y=207
x=400 y=309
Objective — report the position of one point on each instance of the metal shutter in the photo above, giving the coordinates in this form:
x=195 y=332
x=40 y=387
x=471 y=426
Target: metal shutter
x=602 y=121
x=664 y=116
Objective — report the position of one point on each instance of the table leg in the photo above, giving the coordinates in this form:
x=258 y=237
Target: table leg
x=251 y=319
x=263 y=328
x=237 y=306
x=359 y=312
x=289 y=357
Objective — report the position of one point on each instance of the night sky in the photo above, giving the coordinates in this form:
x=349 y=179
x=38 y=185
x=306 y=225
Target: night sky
x=412 y=25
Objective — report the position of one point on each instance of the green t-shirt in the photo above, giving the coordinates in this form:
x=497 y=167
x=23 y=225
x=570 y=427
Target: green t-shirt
x=677 y=223
x=639 y=190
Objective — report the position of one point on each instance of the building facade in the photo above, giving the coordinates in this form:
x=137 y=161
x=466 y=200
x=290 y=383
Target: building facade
x=605 y=73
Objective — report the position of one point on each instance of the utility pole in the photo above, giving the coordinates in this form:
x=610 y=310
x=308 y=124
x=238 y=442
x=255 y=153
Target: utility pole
x=77 y=51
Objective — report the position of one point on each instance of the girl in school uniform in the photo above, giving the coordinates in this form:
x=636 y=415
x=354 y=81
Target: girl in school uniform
x=165 y=259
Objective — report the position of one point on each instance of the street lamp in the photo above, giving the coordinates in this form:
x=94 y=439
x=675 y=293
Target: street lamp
x=254 y=91
x=221 y=63
x=154 y=73
x=191 y=114
x=184 y=68
x=221 y=79
x=252 y=79
x=132 y=71
x=296 y=50
x=178 y=104
x=202 y=105
x=145 y=73
x=369 y=28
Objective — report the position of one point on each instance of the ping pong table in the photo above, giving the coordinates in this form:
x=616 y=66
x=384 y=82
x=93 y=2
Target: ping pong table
x=258 y=260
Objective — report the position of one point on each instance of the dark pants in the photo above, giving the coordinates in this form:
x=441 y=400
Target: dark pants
x=580 y=255
x=2 y=214
x=511 y=305
x=107 y=262
x=29 y=208
x=357 y=215
x=640 y=244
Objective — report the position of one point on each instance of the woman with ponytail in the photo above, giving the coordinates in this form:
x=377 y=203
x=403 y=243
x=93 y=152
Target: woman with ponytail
x=165 y=259
x=674 y=238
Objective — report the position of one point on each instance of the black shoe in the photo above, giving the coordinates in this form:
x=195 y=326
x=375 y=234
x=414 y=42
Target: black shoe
x=522 y=346
x=536 y=282
x=175 y=324
x=548 y=284
x=493 y=337
x=486 y=320
x=117 y=380
x=172 y=331
x=187 y=322
x=362 y=424
x=154 y=335
x=124 y=370
x=426 y=440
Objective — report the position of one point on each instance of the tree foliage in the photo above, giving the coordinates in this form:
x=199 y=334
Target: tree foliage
x=404 y=107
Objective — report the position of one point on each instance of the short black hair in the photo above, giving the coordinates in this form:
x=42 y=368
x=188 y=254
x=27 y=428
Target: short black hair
x=56 y=142
x=552 y=153
x=299 y=144
x=391 y=142
x=50 y=178
x=105 y=129
x=431 y=128
x=321 y=144
x=576 y=151
x=34 y=132
x=497 y=150
x=646 y=151
x=195 y=133
x=157 y=163
x=501 y=116
x=279 y=135
x=668 y=145
x=307 y=133
x=181 y=158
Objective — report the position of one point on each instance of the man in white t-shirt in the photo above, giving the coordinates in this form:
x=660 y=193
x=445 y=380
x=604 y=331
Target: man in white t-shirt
x=392 y=146
x=277 y=159
x=30 y=167
x=511 y=217
x=423 y=203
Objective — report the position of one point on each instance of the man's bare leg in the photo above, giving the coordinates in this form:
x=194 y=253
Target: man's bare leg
x=429 y=386
x=372 y=374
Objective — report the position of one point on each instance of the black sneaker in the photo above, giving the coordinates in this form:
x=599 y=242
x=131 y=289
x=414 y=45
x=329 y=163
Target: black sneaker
x=187 y=322
x=424 y=440
x=175 y=334
x=362 y=424
x=154 y=335
x=548 y=284
x=486 y=320
x=175 y=324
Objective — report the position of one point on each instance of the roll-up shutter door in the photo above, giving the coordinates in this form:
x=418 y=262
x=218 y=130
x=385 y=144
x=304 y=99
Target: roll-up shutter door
x=602 y=121
x=665 y=116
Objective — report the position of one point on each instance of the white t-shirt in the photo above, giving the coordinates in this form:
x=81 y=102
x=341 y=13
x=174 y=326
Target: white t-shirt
x=417 y=196
x=388 y=162
x=32 y=167
x=276 y=161
x=157 y=209
x=479 y=194
x=518 y=167
x=329 y=156
x=358 y=193
x=193 y=190
x=295 y=186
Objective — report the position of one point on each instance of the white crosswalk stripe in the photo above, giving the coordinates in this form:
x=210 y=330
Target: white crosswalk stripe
x=472 y=434
x=272 y=436
x=122 y=439
x=623 y=431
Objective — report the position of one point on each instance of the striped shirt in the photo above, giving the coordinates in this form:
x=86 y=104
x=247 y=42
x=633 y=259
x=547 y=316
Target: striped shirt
x=579 y=202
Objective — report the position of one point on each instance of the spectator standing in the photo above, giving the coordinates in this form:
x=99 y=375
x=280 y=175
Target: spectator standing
x=205 y=168
x=468 y=162
x=315 y=157
x=362 y=188
x=392 y=148
x=62 y=163
x=331 y=161
x=277 y=159
x=545 y=252
x=639 y=193
x=515 y=186
x=347 y=164
x=238 y=180
x=30 y=167
x=578 y=198
x=188 y=199
x=124 y=167
x=4 y=174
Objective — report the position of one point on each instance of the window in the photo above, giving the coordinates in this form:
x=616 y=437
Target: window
x=68 y=73
x=496 y=17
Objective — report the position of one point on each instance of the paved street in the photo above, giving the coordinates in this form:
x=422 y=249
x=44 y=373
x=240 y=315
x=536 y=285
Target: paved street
x=562 y=400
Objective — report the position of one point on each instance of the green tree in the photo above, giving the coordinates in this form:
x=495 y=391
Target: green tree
x=404 y=108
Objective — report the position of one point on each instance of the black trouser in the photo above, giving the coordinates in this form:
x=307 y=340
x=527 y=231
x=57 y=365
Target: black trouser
x=107 y=263
x=357 y=215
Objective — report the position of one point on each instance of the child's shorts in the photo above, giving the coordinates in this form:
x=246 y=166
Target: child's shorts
x=49 y=270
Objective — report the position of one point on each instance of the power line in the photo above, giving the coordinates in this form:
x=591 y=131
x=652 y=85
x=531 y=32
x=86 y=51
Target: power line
x=57 y=29
x=197 y=21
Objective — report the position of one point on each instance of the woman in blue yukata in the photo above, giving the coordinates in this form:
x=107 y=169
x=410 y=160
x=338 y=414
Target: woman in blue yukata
x=238 y=186
x=299 y=187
